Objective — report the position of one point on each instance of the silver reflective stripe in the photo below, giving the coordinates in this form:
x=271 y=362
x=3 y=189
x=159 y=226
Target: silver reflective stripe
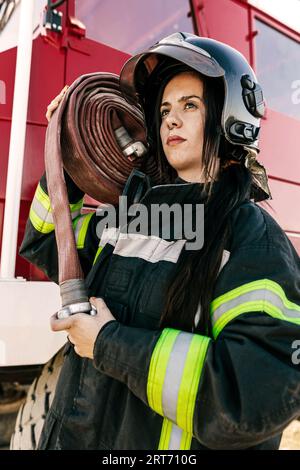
x=175 y=438
x=78 y=228
x=198 y=315
x=174 y=374
x=46 y=215
x=150 y=248
x=41 y=212
x=258 y=295
x=109 y=235
x=225 y=259
x=75 y=214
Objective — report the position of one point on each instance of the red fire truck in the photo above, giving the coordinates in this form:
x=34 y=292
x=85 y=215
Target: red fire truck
x=47 y=44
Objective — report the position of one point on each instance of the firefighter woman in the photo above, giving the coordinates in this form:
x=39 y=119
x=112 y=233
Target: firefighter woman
x=190 y=348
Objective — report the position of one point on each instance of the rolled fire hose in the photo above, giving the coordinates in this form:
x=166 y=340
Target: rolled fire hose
x=98 y=138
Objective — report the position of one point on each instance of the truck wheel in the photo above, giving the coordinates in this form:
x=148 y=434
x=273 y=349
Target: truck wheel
x=32 y=413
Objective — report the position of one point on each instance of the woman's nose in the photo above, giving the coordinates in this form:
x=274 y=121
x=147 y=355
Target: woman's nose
x=173 y=120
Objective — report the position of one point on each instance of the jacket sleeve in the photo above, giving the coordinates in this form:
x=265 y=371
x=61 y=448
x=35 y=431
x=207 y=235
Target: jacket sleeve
x=39 y=243
x=240 y=387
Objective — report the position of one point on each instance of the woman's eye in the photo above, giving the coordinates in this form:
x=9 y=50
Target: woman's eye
x=163 y=112
x=190 y=105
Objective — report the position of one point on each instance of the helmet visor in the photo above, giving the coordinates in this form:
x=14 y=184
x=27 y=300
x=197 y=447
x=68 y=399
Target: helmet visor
x=137 y=70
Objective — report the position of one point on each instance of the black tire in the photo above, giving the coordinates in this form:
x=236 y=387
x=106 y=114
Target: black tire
x=8 y=415
x=32 y=413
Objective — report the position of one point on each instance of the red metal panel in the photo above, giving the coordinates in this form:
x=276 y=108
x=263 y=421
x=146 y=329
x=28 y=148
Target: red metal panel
x=296 y=242
x=280 y=146
x=33 y=168
x=4 y=135
x=4 y=147
x=33 y=160
x=284 y=205
x=279 y=152
x=46 y=78
x=23 y=268
x=44 y=85
x=85 y=56
x=7 y=68
x=1 y=220
x=225 y=21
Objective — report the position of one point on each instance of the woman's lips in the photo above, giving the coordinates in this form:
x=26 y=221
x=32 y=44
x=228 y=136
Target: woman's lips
x=174 y=140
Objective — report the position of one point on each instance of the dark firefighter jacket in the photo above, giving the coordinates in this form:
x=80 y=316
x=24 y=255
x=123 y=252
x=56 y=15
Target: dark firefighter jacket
x=152 y=388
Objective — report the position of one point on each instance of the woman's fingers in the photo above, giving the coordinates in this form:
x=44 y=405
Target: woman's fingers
x=63 y=91
x=55 y=103
x=102 y=309
x=99 y=304
x=61 y=324
x=50 y=109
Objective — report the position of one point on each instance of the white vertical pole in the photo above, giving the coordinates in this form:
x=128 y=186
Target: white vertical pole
x=17 y=142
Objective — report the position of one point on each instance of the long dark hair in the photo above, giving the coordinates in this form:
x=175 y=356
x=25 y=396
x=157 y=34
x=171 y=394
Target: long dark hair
x=196 y=271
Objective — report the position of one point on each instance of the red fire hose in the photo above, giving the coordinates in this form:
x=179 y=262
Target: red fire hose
x=98 y=138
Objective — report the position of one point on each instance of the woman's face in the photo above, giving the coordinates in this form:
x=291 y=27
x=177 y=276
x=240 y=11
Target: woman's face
x=182 y=113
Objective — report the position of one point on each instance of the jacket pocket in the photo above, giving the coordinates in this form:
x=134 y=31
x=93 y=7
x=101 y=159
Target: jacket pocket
x=119 y=310
x=152 y=298
x=118 y=282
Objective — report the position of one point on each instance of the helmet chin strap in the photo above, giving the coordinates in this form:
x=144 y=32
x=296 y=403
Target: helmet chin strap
x=260 y=186
x=260 y=190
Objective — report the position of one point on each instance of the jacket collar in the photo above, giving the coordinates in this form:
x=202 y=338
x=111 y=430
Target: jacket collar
x=138 y=188
x=181 y=191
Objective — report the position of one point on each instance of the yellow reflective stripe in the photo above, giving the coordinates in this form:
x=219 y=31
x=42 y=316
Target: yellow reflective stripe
x=249 y=307
x=186 y=441
x=250 y=286
x=173 y=438
x=83 y=230
x=39 y=224
x=158 y=367
x=235 y=312
x=75 y=221
x=174 y=375
x=100 y=248
x=77 y=206
x=263 y=295
x=245 y=288
x=80 y=225
x=43 y=198
x=165 y=435
x=40 y=213
x=190 y=381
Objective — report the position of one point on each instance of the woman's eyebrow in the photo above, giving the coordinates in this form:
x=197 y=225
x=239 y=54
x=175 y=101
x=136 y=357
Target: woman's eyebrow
x=183 y=98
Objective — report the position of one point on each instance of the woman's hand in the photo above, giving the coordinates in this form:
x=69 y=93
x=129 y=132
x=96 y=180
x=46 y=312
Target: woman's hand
x=82 y=328
x=55 y=102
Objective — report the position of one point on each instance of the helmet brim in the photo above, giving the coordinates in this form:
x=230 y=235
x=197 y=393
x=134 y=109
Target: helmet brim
x=138 y=69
